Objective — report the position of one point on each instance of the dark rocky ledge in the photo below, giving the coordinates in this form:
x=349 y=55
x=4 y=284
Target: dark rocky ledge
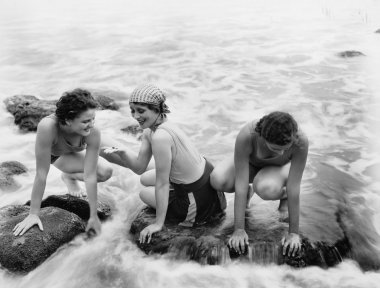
x=28 y=110
x=63 y=217
x=24 y=253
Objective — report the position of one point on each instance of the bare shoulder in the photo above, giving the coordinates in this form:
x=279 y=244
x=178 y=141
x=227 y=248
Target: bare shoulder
x=303 y=141
x=161 y=136
x=94 y=136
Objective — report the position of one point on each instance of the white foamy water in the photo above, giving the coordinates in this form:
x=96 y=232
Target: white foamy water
x=222 y=63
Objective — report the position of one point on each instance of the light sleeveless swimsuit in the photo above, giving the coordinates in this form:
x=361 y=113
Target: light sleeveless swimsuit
x=193 y=201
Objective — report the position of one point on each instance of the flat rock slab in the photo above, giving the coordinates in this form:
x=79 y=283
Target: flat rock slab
x=28 y=110
x=22 y=254
x=7 y=170
x=79 y=205
x=208 y=244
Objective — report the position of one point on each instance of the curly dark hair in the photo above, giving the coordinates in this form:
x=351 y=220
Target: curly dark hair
x=73 y=103
x=278 y=128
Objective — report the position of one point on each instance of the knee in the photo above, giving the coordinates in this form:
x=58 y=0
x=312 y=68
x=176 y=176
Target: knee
x=143 y=196
x=144 y=180
x=267 y=190
x=218 y=183
x=104 y=174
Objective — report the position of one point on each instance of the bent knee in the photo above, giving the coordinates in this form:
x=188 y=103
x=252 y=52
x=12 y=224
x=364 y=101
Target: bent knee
x=104 y=174
x=268 y=190
x=220 y=183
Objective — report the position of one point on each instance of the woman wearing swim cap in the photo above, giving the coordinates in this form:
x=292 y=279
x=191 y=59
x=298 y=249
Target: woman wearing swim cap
x=177 y=162
x=271 y=154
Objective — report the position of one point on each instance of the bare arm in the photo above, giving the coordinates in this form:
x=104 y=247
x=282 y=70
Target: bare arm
x=90 y=177
x=293 y=185
x=297 y=166
x=46 y=132
x=127 y=158
x=243 y=150
x=161 y=145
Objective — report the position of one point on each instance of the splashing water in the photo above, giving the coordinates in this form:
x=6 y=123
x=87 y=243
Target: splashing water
x=222 y=64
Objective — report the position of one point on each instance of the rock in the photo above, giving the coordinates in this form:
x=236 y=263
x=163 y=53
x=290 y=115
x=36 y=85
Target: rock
x=377 y=31
x=133 y=129
x=79 y=206
x=22 y=254
x=208 y=244
x=7 y=170
x=28 y=110
x=350 y=54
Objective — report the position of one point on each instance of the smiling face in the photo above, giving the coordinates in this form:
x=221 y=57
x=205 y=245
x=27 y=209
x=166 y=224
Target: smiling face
x=83 y=123
x=146 y=117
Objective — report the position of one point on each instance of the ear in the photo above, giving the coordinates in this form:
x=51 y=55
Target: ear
x=68 y=122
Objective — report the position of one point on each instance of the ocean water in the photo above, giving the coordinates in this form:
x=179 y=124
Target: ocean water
x=222 y=63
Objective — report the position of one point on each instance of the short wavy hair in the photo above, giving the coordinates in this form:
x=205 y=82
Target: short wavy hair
x=73 y=103
x=278 y=128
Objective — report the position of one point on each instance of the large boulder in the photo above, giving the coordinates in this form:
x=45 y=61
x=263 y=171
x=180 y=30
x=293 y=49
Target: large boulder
x=22 y=254
x=332 y=227
x=80 y=206
x=7 y=170
x=28 y=110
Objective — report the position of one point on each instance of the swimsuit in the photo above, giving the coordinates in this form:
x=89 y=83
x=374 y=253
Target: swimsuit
x=193 y=200
x=61 y=146
x=256 y=163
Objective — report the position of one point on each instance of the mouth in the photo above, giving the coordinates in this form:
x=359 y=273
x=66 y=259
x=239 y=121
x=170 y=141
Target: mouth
x=141 y=122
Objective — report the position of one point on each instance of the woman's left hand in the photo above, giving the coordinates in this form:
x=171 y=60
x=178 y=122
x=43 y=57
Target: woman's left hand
x=147 y=232
x=94 y=225
x=293 y=241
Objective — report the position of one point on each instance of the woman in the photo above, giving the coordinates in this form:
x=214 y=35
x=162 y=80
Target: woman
x=177 y=162
x=271 y=154
x=69 y=141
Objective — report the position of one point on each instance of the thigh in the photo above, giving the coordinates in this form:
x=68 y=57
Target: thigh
x=271 y=180
x=148 y=178
x=222 y=178
x=71 y=163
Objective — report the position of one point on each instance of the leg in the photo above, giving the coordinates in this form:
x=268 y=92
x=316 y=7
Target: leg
x=147 y=195
x=222 y=178
x=148 y=178
x=269 y=184
x=72 y=166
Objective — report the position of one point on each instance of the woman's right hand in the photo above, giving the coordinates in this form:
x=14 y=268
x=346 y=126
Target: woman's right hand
x=26 y=224
x=238 y=241
x=110 y=150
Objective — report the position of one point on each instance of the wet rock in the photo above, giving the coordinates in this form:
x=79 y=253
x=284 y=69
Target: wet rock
x=22 y=254
x=350 y=54
x=7 y=170
x=28 y=110
x=80 y=206
x=208 y=244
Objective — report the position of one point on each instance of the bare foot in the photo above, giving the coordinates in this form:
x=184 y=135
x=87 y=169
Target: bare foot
x=72 y=186
x=249 y=196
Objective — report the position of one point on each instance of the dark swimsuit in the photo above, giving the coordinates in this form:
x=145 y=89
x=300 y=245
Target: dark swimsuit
x=195 y=203
x=255 y=163
x=60 y=145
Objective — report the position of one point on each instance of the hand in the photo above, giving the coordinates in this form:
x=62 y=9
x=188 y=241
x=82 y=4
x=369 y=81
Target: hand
x=26 y=224
x=94 y=225
x=238 y=240
x=110 y=150
x=148 y=231
x=292 y=240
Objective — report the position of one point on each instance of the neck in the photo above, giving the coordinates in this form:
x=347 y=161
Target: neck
x=159 y=120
